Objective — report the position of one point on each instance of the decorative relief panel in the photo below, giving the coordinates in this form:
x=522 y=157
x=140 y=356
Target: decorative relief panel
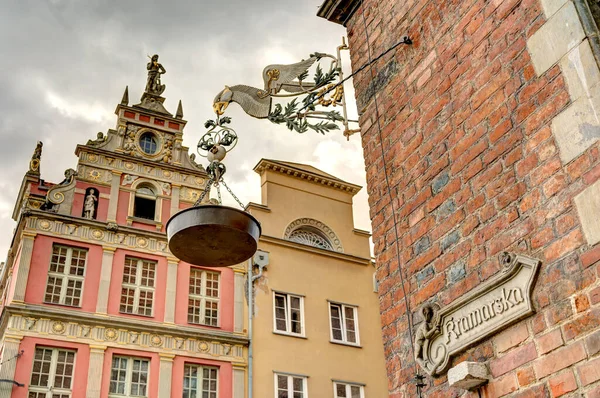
x=96 y=235
x=189 y=195
x=94 y=175
x=494 y=305
x=91 y=161
x=90 y=334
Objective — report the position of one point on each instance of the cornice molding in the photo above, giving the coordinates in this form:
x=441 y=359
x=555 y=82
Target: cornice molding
x=265 y=165
x=96 y=232
x=115 y=166
x=37 y=321
x=311 y=249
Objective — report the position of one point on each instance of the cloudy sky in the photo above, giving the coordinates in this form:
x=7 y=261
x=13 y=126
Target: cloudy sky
x=67 y=62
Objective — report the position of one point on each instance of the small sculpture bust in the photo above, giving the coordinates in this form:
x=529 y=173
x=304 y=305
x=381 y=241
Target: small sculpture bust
x=155 y=69
x=424 y=333
x=89 y=205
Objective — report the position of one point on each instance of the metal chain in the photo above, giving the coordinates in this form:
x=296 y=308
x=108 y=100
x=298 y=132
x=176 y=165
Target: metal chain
x=205 y=192
x=219 y=192
x=232 y=194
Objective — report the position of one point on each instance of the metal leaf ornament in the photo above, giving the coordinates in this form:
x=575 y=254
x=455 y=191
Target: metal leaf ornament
x=290 y=81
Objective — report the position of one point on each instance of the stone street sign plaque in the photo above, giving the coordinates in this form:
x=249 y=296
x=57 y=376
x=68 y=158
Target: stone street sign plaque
x=499 y=302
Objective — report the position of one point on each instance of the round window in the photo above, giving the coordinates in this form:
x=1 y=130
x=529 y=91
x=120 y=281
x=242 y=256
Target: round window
x=148 y=143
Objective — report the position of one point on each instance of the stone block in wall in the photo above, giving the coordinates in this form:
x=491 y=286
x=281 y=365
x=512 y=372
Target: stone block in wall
x=468 y=375
x=581 y=72
x=588 y=208
x=577 y=127
x=551 y=6
x=560 y=34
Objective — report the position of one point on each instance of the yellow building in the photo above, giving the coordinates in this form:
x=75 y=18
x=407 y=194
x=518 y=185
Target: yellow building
x=316 y=317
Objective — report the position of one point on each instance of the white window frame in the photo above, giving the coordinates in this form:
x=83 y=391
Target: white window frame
x=137 y=286
x=128 y=375
x=290 y=384
x=200 y=379
x=288 y=317
x=204 y=298
x=343 y=323
x=50 y=389
x=348 y=389
x=141 y=183
x=66 y=275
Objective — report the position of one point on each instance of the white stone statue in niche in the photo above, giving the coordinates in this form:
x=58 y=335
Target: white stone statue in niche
x=89 y=205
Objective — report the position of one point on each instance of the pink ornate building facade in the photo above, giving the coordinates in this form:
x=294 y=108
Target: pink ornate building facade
x=93 y=303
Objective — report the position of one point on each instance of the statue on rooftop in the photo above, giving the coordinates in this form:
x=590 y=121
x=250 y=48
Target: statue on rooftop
x=34 y=164
x=155 y=69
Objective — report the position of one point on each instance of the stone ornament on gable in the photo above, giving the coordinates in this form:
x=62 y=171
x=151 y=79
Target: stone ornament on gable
x=128 y=179
x=492 y=306
x=299 y=226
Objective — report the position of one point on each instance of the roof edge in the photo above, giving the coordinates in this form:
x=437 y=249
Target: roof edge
x=338 y=11
x=295 y=172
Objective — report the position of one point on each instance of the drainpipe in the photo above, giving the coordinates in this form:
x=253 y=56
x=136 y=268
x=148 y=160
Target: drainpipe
x=261 y=259
x=249 y=280
x=589 y=27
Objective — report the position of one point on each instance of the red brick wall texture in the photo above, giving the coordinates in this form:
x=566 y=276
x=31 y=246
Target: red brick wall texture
x=474 y=169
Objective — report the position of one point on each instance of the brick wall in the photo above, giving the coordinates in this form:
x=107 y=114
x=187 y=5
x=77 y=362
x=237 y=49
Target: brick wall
x=486 y=151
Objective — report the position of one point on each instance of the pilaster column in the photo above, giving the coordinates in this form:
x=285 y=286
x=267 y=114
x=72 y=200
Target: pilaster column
x=7 y=371
x=175 y=191
x=114 y=196
x=171 y=290
x=165 y=375
x=239 y=381
x=96 y=365
x=108 y=254
x=23 y=266
x=239 y=281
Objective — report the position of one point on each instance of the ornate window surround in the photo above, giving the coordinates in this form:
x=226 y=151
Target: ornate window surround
x=310 y=223
x=159 y=197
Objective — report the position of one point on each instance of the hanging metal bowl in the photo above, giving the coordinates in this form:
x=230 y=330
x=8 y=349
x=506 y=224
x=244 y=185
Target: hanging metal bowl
x=213 y=235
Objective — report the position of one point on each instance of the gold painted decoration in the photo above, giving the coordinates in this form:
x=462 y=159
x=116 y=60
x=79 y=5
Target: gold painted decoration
x=97 y=234
x=94 y=175
x=156 y=340
x=110 y=334
x=203 y=346
x=58 y=327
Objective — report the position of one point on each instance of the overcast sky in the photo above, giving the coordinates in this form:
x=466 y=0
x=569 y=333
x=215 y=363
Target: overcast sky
x=67 y=62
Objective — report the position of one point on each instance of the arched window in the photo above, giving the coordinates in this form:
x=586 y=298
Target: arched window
x=144 y=205
x=311 y=237
x=311 y=232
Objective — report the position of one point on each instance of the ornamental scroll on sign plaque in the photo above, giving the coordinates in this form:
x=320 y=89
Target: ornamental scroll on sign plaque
x=492 y=306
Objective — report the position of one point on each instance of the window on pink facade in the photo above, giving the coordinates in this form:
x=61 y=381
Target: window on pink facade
x=203 y=303
x=129 y=377
x=52 y=374
x=65 y=276
x=137 y=292
x=200 y=381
